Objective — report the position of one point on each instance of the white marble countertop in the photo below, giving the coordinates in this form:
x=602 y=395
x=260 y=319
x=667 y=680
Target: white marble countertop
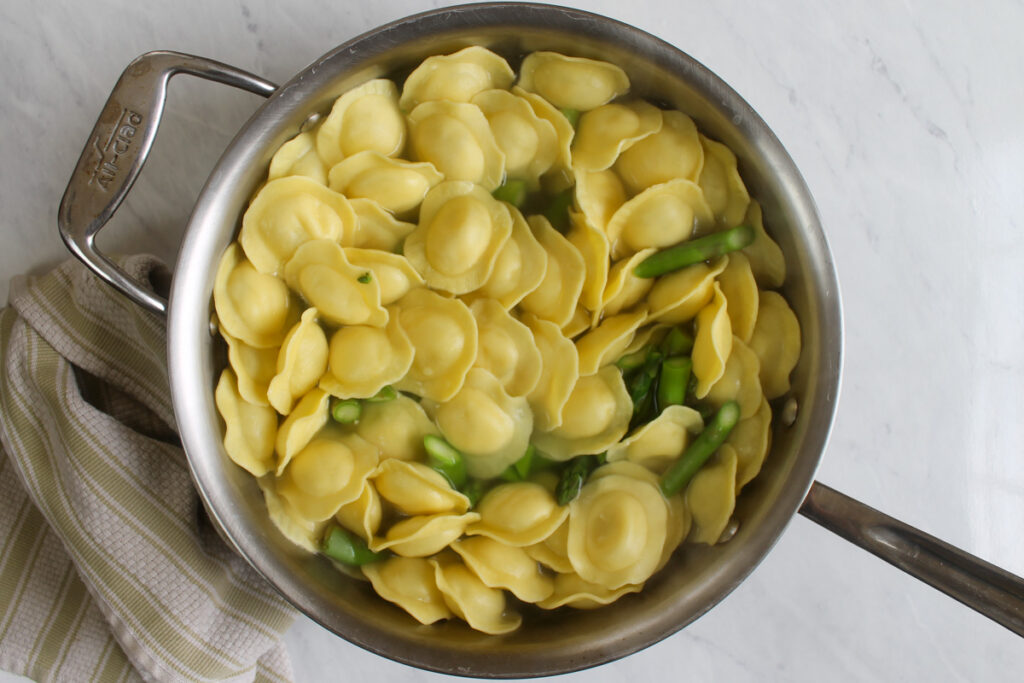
x=906 y=121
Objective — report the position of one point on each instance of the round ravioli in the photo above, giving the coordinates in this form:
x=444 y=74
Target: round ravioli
x=504 y=566
x=712 y=343
x=366 y=118
x=489 y=427
x=599 y=194
x=624 y=289
x=519 y=267
x=423 y=535
x=776 y=341
x=300 y=364
x=766 y=260
x=396 y=427
x=363 y=515
x=394 y=274
x=506 y=348
x=307 y=418
x=661 y=441
x=443 y=333
x=607 y=131
x=377 y=228
x=363 y=360
x=456 y=138
x=740 y=289
x=287 y=213
x=579 y=323
x=528 y=141
x=678 y=297
x=593 y=245
x=564 y=132
x=711 y=496
x=397 y=185
x=595 y=416
x=556 y=296
x=740 y=380
x=606 y=342
x=552 y=552
x=337 y=289
x=560 y=369
x=570 y=589
x=674 y=152
x=479 y=605
x=678 y=521
x=249 y=429
x=617 y=530
x=658 y=217
x=409 y=583
x=518 y=514
x=253 y=367
x=304 y=533
x=572 y=82
x=723 y=188
x=328 y=473
x=462 y=230
x=750 y=439
x=457 y=77
x=298 y=157
x=251 y=306
x=415 y=489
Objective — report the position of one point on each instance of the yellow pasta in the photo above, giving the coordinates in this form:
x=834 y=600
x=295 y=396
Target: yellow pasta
x=250 y=429
x=555 y=297
x=456 y=77
x=300 y=364
x=595 y=416
x=459 y=355
x=507 y=349
x=444 y=336
x=519 y=267
x=605 y=132
x=340 y=291
x=572 y=82
x=330 y=471
x=518 y=514
x=673 y=153
x=363 y=360
x=366 y=118
x=396 y=185
x=527 y=140
x=396 y=427
x=462 y=230
x=287 y=213
x=415 y=489
x=456 y=138
x=298 y=156
x=409 y=583
x=253 y=307
x=490 y=428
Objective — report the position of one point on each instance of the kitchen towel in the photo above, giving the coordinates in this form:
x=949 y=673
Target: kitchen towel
x=109 y=568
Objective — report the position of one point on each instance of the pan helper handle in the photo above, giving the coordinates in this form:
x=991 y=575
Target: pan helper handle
x=117 y=148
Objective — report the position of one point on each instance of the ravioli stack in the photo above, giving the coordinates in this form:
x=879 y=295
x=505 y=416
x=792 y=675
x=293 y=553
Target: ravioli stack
x=376 y=256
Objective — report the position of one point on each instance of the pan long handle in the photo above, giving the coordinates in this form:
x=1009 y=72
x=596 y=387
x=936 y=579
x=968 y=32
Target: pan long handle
x=118 y=147
x=992 y=591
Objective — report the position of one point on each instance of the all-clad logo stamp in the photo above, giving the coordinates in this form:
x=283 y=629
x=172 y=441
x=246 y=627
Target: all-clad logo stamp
x=108 y=153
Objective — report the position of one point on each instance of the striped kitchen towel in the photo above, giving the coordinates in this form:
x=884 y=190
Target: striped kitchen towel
x=109 y=569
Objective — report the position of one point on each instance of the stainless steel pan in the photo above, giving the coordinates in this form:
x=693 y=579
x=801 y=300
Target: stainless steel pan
x=549 y=643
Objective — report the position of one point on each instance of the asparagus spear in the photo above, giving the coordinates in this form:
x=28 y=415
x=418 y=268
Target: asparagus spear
x=446 y=459
x=694 y=251
x=697 y=453
x=341 y=546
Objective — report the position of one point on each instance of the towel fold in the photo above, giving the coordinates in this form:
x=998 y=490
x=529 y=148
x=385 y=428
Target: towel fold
x=109 y=568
